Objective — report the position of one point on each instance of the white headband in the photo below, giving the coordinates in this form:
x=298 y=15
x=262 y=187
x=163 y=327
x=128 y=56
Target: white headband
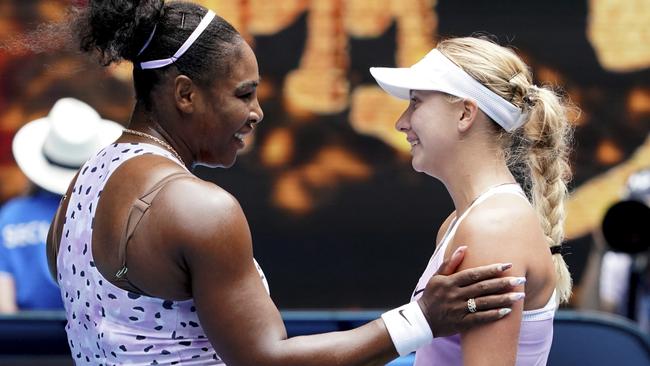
x=437 y=72
x=155 y=64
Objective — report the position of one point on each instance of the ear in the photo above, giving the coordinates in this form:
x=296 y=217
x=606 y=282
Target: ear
x=469 y=114
x=185 y=94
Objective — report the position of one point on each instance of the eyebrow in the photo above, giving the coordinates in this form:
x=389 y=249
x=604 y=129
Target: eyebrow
x=248 y=84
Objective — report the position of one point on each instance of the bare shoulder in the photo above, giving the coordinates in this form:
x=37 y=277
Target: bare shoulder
x=504 y=228
x=205 y=219
x=186 y=204
x=202 y=205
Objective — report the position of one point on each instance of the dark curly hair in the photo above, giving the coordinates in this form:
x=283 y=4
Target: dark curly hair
x=116 y=30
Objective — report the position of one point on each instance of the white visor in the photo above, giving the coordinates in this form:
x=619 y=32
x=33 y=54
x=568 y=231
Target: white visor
x=437 y=72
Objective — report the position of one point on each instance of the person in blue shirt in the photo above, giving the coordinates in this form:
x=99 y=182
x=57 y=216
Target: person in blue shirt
x=25 y=283
x=48 y=151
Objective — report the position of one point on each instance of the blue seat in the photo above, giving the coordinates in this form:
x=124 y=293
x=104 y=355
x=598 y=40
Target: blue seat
x=597 y=339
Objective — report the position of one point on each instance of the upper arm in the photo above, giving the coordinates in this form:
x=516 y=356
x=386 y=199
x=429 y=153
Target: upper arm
x=234 y=308
x=493 y=236
x=237 y=314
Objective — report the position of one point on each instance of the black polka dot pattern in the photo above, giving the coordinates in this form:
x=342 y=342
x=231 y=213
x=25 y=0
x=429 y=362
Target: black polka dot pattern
x=108 y=325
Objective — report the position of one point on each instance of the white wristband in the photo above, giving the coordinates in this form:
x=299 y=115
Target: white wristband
x=408 y=328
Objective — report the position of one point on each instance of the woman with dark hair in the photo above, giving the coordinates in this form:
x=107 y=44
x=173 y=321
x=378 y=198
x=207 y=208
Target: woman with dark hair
x=155 y=265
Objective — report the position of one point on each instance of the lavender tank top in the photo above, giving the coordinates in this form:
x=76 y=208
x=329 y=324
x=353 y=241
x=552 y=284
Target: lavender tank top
x=106 y=324
x=536 y=332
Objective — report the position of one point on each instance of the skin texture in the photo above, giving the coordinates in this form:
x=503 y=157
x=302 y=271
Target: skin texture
x=454 y=145
x=195 y=237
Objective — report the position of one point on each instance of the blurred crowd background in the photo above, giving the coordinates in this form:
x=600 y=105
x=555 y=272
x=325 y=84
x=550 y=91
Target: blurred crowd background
x=339 y=219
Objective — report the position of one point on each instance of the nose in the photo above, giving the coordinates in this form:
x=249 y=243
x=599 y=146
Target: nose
x=403 y=122
x=256 y=114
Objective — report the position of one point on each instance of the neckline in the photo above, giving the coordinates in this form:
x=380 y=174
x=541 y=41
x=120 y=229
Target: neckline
x=165 y=153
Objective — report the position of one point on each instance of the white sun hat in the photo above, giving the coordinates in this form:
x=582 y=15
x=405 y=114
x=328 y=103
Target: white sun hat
x=51 y=149
x=437 y=72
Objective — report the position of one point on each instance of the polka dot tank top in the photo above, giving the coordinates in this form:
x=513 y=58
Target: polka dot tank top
x=106 y=324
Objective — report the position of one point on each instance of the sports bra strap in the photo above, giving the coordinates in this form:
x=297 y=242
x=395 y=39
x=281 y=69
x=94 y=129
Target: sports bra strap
x=136 y=213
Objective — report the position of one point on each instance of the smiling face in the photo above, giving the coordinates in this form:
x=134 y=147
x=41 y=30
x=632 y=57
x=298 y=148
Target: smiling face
x=229 y=110
x=430 y=124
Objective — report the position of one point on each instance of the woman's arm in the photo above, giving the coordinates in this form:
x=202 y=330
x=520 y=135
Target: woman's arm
x=499 y=232
x=243 y=323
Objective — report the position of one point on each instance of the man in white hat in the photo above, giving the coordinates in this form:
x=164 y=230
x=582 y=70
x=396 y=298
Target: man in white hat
x=49 y=151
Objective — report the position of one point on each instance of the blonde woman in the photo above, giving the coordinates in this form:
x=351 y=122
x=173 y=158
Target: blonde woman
x=477 y=123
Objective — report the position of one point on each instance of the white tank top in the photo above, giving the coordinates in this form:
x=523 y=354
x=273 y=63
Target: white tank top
x=536 y=333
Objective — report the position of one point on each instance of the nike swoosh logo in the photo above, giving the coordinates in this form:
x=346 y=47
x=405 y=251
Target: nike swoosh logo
x=401 y=312
x=417 y=292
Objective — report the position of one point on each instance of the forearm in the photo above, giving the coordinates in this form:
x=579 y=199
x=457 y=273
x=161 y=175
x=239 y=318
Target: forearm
x=367 y=345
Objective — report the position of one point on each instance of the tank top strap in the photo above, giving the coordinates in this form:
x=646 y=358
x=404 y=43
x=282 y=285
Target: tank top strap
x=512 y=188
x=508 y=188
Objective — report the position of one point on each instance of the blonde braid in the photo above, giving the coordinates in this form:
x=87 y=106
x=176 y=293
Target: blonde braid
x=537 y=153
x=548 y=133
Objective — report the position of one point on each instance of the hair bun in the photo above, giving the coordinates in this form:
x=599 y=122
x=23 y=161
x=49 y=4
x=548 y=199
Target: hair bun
x=117 y=29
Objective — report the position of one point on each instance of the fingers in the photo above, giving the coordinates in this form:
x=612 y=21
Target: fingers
x=450 y=265
x=492 y=286
x=473 y=275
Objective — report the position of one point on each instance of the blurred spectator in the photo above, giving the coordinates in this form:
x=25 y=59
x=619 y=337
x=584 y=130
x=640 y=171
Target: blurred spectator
x=618 y=274
x=49 y=151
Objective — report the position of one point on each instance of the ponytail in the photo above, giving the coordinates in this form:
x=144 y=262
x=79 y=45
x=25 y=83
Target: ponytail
x=548 y=134
x=118 y=30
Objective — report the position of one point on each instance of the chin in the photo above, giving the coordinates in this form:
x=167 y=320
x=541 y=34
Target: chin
x=218 y=164
x=417 y=165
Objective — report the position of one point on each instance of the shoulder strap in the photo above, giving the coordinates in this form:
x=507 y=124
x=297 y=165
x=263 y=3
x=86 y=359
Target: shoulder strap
x=136 y=213
x=505 y=188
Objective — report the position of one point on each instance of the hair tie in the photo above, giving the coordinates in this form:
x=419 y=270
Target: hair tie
x=531 y=96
